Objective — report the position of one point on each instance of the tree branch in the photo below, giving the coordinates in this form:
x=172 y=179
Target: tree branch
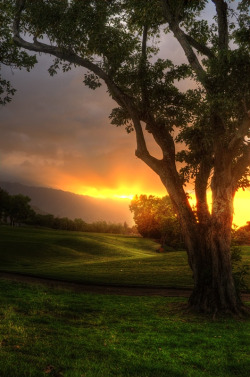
x=120 y=97
x=20 y=5
x=203 y=49
x=173 y=21
x=66 y=55
x=241 y=166
x=142 y=70
x=242 y=131
x=141 y=149
x=221 y=9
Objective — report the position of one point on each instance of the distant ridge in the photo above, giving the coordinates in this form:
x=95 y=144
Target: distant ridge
x=66 y=204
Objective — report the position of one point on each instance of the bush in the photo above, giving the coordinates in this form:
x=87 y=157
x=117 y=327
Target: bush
x=240 y=270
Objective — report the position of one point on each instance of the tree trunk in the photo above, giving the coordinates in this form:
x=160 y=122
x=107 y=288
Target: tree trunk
x=214 y=289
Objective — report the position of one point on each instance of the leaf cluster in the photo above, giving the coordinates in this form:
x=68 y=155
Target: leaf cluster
x=155 y=218
x=10 y=55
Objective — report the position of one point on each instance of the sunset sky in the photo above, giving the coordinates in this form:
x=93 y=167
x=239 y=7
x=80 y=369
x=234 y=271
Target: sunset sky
x=56 y=133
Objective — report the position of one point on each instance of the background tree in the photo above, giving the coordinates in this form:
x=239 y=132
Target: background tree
x=19 y=210
x=155 y=218
x=4 y=204
x=241 y=236
x=44 y=220
x=116 y=41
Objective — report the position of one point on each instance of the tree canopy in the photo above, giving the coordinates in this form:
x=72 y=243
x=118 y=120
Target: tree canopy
x=121 y=43
x=10 y=55
x=155 y=218
x=15 y=208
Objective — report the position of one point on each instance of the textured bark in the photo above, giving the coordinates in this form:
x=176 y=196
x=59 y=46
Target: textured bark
x=214 y=289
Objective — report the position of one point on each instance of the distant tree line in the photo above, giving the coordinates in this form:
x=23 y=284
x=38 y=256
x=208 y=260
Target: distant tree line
x=16 y=210
x=154 y=218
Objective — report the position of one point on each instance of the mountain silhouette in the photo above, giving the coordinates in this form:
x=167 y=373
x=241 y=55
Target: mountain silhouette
x=67 y=204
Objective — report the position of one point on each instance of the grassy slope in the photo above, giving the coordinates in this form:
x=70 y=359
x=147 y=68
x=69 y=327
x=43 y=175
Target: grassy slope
x=94 y=258
x=88 y=257
x=45 y=332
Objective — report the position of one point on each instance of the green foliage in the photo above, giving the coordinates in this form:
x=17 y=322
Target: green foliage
x=78 y=225
x=4 y=203
x=10 y=54
x=240 y=270
x=241 y=236
x=19 y=209
x=6 y=91
x=15 y=209
x=155 y=218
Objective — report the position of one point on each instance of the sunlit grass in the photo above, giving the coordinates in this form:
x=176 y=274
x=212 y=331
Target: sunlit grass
x=92 y=258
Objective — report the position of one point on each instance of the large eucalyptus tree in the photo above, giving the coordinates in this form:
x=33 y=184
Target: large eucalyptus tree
x=116 y=41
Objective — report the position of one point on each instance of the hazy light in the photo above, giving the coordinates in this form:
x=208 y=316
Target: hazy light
x=121 y=192
x=124 y=196
x=241 y=206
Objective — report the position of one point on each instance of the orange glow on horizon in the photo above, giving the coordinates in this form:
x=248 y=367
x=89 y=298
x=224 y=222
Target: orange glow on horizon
x=123 y=192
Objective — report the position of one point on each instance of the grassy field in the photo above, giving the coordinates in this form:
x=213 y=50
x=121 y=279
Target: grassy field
x=94 y=258
x=58 y=333
x=91 y=257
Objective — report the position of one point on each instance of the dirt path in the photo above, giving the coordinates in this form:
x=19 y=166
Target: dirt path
x=103 y=289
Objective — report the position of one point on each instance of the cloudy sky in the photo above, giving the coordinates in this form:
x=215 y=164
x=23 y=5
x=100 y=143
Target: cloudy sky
x=56 y=133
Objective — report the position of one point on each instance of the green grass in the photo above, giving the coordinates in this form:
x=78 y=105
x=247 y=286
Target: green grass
x=91 y=258
x=94 y=258
x=52 y=332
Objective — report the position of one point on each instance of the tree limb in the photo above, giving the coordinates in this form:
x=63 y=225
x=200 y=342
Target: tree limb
x=141 y=149
x=179 y=34
x=120 y=97
x=241 y=166
x=241 y=132
x=221 y=9
x=142 y=70
x=203 y=49
x=66 y=55
x=20 y=5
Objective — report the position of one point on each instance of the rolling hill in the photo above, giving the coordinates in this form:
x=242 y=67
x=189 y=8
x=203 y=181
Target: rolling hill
x=66 y=204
